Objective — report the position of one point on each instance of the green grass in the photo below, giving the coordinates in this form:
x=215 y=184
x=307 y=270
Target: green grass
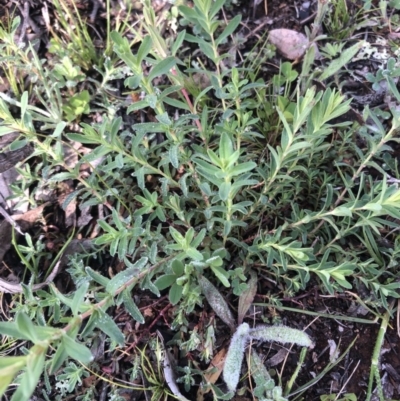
x=250 y=175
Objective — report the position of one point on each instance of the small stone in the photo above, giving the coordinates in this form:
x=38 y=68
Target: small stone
x=291 y=44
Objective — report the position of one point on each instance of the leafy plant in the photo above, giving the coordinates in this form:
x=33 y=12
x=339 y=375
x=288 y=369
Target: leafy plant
x=247 y=173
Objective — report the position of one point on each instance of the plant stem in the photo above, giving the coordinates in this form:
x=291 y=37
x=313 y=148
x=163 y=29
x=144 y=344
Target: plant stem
x=374 y=373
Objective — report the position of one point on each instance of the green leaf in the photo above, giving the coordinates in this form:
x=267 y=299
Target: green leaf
x=76 y=350
x=189 y=236
x=216 y=6
x=78 y=298
x=149 y=127
x=175 y=293
x=242 y=168
x=199 y=238
x=126 y=275
x=173 y=155
x=374 y=207
x=117 y=38
x=177 y=236
x=30 y=378
x=58 y=358
x=193 y=253
x=12 y=330
x=97 y=153
x=165 y=281
x=24 y=103
x=59 y=129
x=5 y=130
x=258 y=370
x=163 y=67
x=178 y=267
x=176 y=103
x=144 y=49
x=230 y=28
x=26 y=327
x=188 y=13
x=18 y=145
x=281 y=334
x=108 y=326
x=131 y=306
x=85 y=139
x=13 y=362
x=97 y=276
x=225 y=148
x=222 y=275
x=141 y=104
x=224 y=191
x=178 y=42
x=346 y=56
x=9 y=367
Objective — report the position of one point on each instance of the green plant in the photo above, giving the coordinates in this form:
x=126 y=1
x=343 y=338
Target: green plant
x=265 y=386
x=339 y=22
x=211 y=190
x=389 y=74
x=74 y=39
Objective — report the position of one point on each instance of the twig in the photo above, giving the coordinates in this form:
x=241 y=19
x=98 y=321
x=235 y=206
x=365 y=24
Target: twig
x=11 y=221
x=10 y=288
x=96 y=6
x=25 y=16
x=345 y=384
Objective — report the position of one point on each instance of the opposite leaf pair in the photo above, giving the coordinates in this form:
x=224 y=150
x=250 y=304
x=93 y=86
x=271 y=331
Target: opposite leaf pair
x=244 y=333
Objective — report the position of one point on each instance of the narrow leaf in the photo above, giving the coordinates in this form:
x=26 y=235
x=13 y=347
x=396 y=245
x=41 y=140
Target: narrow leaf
x=11 y=329
x=144 y=48
x=234 y=357
x=97 y=277
x=108 y=326
x=26 y=327
x=58 y=358
x=281 y=334
x=30 y=378
x=76 y=350
x=163 y=67
x=217 y=302
x=78 y=298
x=131 y=307
x=222 y=275
x=346 y=56
x=123 y=277
x=247 y=297
x=230 y=28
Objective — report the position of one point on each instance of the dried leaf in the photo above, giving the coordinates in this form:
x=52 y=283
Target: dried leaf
x=217 y=364
x=247 y=297
x=291 y=44
x=277 y=358
x=169 y=373
x=217 y=302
